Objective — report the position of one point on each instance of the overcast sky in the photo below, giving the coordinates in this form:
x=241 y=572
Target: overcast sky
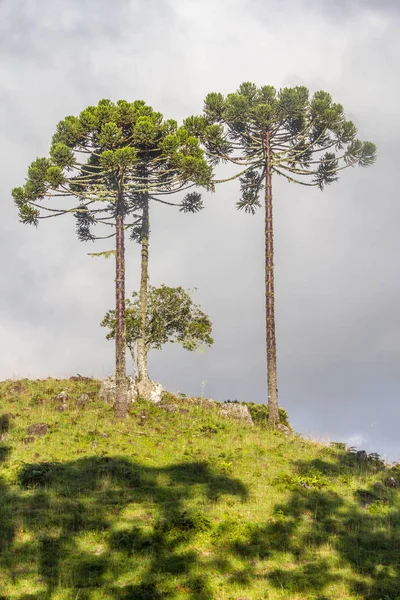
x=337 y=252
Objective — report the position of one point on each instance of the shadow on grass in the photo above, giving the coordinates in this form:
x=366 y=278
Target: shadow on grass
x=105 y=523
x=106 y=527
x=319 y=536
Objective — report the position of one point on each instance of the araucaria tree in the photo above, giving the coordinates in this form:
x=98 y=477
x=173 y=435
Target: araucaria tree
x=172 y=317
x=110 y=160
x=306 y=140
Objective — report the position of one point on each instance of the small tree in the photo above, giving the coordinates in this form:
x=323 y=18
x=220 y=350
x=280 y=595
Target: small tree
x=111 y=159
x=306 y=140
x=172 y=317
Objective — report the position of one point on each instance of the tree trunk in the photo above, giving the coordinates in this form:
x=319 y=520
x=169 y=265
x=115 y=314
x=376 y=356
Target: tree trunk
x=121 y=401
x=144 y=277
x=133 y=357
x=269 y=294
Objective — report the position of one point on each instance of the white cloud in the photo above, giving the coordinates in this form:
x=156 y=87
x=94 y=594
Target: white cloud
x=336 y=252
x=356 y=440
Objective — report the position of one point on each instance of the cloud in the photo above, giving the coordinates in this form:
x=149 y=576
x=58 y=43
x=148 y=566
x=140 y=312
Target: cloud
x=337 y=252
x=356 y=440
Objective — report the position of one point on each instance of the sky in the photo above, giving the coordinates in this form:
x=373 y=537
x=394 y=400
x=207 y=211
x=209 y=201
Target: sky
x=337 y=253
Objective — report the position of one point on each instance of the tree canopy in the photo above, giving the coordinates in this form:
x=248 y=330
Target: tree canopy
x=310 y=139
x=104 y=150
x=172 y=317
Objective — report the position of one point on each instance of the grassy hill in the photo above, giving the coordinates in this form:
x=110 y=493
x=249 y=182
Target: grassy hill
x=178 y=502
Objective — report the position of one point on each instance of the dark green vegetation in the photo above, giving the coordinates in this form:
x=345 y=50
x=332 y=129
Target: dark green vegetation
x=178 y=502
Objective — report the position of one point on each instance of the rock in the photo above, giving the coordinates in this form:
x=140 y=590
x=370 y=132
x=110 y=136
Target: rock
x=171 y=408
x=38 y=429
x=391 y=482
x=17 y=388
x=149 y=390
x=108 y=390
x=231 y=410
x=62 y=397
x=283 y=429
x=29 y=439
x=82 y=400
x=207 y=402
x=3 y=437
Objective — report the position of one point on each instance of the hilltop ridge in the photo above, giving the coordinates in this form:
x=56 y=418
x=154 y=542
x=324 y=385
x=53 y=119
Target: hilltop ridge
x=180 y=502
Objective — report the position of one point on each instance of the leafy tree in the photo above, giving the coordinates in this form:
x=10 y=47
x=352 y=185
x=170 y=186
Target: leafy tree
x=307 y=140
x=112 y=159
x=171 y=317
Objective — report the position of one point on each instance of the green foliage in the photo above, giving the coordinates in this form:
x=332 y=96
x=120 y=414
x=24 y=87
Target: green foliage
x=35 y=188
x=55 y=176
x=111 y=160
x=28 y=214
x=62 y=156
x=110 y=136
x=191 y=203
x=310 y=139
x=123 y=147
x=312 y=479
x=70 y=132
x=171 y=317
x=250 y=185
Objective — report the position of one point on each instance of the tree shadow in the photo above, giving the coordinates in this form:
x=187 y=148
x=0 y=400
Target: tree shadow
x=323 y=535
x=111 y=524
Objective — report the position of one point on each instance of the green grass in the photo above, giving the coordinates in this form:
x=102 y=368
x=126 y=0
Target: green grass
x=184 y=505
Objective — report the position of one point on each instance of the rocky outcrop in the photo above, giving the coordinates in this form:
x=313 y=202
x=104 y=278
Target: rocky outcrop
x=239 y=412
x=38 y=429
x=83 y=399
x=107 y=391
x=149 y=390
x=62 y=401
x=206 y=402
x=284 y=429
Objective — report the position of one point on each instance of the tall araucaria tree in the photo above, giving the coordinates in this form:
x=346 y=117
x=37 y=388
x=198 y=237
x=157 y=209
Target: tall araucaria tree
x=307 y=140
x=162 y=175
x=111 y=160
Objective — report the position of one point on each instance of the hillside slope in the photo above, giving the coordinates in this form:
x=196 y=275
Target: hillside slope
x=178 y=502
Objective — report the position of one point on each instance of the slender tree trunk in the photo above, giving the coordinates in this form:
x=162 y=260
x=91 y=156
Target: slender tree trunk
x=133 y=357
x=144 y=277
x=269 y=294
x=121 y=401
